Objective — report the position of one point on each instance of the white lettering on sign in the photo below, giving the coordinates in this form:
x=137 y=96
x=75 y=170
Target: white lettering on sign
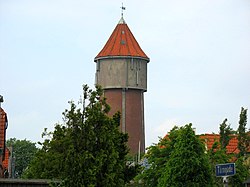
x=226 y=170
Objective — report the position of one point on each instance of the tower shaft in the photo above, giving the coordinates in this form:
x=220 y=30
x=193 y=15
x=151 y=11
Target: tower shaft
x=130 y=102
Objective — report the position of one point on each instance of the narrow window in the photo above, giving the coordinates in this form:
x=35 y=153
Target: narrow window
x=132 y=64
x=137 y=78
x=98 y=65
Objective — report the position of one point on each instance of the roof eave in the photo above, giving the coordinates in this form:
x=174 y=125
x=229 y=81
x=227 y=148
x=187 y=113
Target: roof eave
x=117 y=57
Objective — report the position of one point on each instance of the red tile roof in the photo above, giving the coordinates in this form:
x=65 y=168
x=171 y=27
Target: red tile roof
x=3 y=117
x=121 y=43
x=211 y=138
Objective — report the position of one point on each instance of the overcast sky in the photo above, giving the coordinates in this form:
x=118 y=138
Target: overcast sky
x=199 y=69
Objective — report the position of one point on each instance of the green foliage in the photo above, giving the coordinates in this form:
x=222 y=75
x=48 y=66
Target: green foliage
x=225 y=132
x=22 y=152
x=178 y=160
x=157 y=156
x=241 y=173
x=48 y=161
x=217 y=156
x=132 y=169
x=243 y=135
x=87 y=150
x=188 y=164
x=218 y=153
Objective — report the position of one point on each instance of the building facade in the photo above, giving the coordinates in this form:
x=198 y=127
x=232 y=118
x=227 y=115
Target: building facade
x=4 y=152
x=121 y=70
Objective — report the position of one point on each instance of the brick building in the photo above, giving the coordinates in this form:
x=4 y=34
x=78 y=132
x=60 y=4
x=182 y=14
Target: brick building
x=4 y=152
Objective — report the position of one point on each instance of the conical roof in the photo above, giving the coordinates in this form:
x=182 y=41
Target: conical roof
x=121 y=43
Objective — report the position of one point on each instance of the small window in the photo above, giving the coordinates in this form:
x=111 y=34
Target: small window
x=132 y=64
x=137 y=78
x=139 y=64
x=98 y=65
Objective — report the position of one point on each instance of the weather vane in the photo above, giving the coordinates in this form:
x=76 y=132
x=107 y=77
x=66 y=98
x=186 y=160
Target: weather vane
x=1 y=100
x=122 y=8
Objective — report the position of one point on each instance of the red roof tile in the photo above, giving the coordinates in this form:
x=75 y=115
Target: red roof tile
x=6 y=158
x=121 y=43
x=3 y=120
x=3 y=117
x=211 y=138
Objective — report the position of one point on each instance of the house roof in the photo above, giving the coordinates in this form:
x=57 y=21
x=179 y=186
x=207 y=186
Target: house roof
x=3 y=120
x=121 y=43
x=211 y=138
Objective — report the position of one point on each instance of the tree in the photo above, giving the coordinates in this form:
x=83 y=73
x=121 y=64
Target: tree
x=87 y=150
x=225 y=132
x=242 y=171
x=188 y=164
x=217 y=155
x=157 y=157
x=48 y=161
x=178 y=160
x=243 y=135
x=23 y=152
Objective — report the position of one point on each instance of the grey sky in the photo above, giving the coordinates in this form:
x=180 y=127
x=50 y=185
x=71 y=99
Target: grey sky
x=199 y=50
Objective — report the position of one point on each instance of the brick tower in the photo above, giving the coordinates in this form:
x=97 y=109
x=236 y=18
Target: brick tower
x=121 y=70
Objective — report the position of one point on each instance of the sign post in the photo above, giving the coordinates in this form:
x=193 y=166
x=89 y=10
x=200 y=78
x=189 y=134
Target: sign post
x=225 y=170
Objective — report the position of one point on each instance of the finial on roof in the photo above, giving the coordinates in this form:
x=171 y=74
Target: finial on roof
x=1 y=100
x=122 y=21
x=122 y=8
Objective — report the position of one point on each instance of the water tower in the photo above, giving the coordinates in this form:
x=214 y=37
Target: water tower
x=121 y=70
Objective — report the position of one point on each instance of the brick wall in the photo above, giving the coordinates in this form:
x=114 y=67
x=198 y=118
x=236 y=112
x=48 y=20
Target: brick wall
x=4 y=154
x=131 y=105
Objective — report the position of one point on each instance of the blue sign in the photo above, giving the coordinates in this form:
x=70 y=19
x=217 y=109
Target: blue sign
x=225 y=169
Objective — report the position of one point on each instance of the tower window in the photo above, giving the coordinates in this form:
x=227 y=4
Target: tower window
x=98 y=66
x=123 y=42
x=132 y=64
x=137 y=78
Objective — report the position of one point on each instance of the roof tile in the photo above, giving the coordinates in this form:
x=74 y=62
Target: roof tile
x=121 y=43
x=211 y=138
